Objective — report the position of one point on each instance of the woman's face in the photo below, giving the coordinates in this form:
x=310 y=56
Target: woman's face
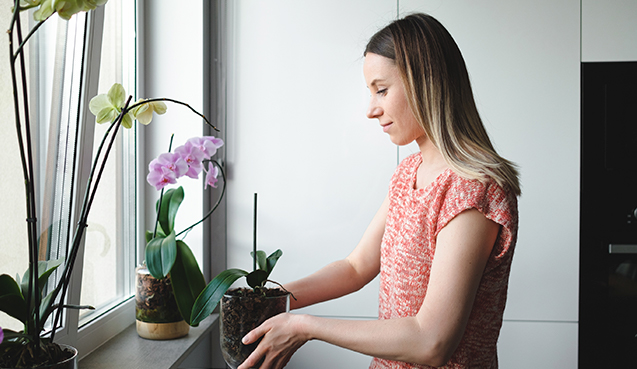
x=389 y=102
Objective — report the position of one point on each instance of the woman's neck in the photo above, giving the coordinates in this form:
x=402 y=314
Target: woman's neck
x=433 y=163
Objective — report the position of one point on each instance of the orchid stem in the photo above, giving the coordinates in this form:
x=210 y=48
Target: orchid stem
x=161 y=195
x=146 y=101
x=223 y=190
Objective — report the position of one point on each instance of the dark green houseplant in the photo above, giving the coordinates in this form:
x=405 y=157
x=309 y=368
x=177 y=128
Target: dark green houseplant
x=34 y=298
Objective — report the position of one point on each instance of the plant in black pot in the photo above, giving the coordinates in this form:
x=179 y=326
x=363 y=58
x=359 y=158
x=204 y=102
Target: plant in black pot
x=37 y=298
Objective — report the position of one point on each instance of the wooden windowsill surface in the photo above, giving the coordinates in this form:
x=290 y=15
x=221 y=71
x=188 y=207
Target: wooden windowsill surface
x=128 y=350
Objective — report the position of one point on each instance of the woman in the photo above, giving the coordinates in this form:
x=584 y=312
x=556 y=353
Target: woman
x=442 y=240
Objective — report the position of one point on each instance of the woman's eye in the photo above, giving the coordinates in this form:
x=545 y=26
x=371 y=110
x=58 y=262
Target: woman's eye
x=381 y=92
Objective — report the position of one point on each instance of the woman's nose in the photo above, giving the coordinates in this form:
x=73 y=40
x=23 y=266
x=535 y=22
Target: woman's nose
x=374 y=111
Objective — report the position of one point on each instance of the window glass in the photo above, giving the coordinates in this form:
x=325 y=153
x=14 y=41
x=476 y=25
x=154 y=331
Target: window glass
x=109 y=255
x=54 y=75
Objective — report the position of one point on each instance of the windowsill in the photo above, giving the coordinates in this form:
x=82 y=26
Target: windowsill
x=128 y=350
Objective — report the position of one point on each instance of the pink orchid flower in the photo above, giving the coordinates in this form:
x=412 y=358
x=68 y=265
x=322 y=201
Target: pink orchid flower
x=207 y=144
x=172 y=162
x=161 y=177
x=193 y=157
x=211 y=176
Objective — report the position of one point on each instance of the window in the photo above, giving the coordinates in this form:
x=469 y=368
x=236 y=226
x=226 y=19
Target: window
x=109 y=256
x=67 y=60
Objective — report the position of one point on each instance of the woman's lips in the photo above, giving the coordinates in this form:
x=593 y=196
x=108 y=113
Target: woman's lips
x=386 y=127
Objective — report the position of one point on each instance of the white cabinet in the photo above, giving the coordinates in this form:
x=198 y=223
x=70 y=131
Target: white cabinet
x=609 y=30
x=531 y=345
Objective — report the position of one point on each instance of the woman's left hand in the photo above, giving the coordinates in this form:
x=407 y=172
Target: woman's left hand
x=282 y=336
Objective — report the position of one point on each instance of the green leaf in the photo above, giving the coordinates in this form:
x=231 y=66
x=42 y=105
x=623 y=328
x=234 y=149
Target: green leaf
x=161 y=253
x=211 y=295
x=46 y=305
x=45 y=268
x=187 y=280
x=149 y=234
x=261 y=259
x=272 y=259
x=257 y=278
x=11 y=300
x=9 y=334
x=169 y=205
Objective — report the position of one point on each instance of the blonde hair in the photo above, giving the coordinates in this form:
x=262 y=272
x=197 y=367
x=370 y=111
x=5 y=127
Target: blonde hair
x=439 y=93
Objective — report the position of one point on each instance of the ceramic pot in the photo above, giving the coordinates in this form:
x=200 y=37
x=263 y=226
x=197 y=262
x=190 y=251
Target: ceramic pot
x=69 y=363
x=242 y=310
x=156 y=313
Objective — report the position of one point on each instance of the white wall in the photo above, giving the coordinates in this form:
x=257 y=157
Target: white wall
x=298 y=137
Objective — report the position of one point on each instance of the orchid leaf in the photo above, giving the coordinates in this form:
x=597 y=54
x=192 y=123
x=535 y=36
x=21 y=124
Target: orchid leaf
x=257 y=278
x=170 y=203
x=211 y=295
x=9 y=334
x=272 y=259
x=11 y=300
x=261 y=259
x=45 y=268
x=161 y=253
x=187 y=280
x=46 y=305
x=79 y=307
x=149 y=234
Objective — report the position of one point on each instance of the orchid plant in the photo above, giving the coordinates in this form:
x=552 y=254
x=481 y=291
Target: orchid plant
x=164 y=253
x=27 y=298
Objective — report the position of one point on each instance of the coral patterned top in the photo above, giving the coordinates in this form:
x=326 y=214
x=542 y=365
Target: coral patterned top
x=409 y=243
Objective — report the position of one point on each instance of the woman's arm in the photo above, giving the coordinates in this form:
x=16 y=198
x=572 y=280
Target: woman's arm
x=344 y=276
x=430 y=337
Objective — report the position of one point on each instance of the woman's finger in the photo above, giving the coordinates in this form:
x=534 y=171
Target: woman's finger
x=253 y=335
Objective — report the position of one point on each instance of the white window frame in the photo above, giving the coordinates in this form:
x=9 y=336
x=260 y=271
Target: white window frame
x=88 y=39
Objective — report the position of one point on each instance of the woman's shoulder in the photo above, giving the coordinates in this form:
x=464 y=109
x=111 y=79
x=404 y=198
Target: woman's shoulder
x=486 y=195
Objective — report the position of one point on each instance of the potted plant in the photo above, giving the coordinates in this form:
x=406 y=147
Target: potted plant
x=169 y=278
x=243 y=309
x=34 y=298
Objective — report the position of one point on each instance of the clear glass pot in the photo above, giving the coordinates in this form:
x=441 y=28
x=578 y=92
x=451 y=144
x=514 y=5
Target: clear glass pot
x=242 y=310
x=156 y=312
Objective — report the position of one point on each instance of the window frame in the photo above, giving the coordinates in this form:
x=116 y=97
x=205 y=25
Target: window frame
x=86 y=336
